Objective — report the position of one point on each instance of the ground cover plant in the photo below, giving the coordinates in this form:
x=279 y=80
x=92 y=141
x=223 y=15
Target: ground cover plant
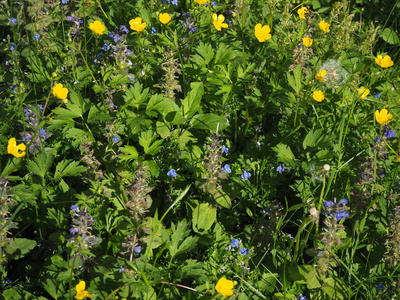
x=192 y=149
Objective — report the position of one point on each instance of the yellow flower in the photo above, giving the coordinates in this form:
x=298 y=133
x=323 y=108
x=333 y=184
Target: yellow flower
x=303 y=12
x=318 y=96
x=321 y=76
x=262 y=33
x=164 y=18
x=137 y=25
x=224 y=287
x=219 y=22
x=201 y=1
x=97 y=27
x=60 y=92
x=14 y=149
x=307 y=41
x=363 y=92
x=382 y=117
x=81 y=293
x=324 y=26
x=384 y=62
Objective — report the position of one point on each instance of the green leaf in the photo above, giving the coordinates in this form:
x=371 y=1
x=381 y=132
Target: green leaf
x=334 y=288
x=136 y=96
x=18 y=248
x=161 y=104
x=130 y=153
x=311 y=138
x=148 y=142
x=295 y=81
x=41 y=164
x=204 y=216
x=191 y=104
x=68 y=168
x=194 y=269
x=209 y=122
x=284 y=154
x=390 y=36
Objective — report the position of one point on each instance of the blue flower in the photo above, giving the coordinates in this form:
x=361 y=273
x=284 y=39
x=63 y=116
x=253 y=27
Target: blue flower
x=235 y=243
x=244 y=251
x=172 y=173
x=43 y=133
x=389 y=134
x=246 y=175
x=328 y=204
x=13 y=88
x=379 y=287
x=115 y=139
x=27 y=137
x=73 y=231
x=75 y=207
x=280 y=169
x=138 y=249
x=132 y=79
x=225 y=149
x=106 y=47
x=36 y=36
x=153 y=30
x=64 y=1
x=123 y=28
x=377 y=95
x=13 y=21
x=12 y=47
x=302 y=297
x=341 y=215
x=226 y=168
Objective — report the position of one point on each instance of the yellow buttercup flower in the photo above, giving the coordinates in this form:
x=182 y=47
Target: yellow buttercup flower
x=219 y=22
x=262 y=33
x=201 y=1
x=363 y=92
x=318 y=96
x=81 y=293
x=14 y=149
x=303 y=12
x=137 y=25
x=324 y=26
x=60 y=92
x=97 y=27
x=224 y=287
x=382 y=117
x=164 y=18
x=321 y=75
x=307 y=41
x=384 y=62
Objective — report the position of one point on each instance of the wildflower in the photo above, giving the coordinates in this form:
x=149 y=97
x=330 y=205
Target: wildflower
x=244 y=251
x=382 y=117
x=235 y=243
x=321 y=75
x=226 y=168
x=153 y=30
x=137 y=249
x=262 y=33
x=36 y=36
x=97 y=27
x=201 y=1
x=307 y=41
x=164 y=18
x=303 y=12
x=172 y=173
x=363 y=92
x=377 y=95
x=59 y=91
x=12 y=47
x=115 y=139
x=123 y=29
x=75 y=207
x=340 y=215
x=246 y=175
x=389 y=134
x=280 y=169
x=225 y=149
x=302 y=297
x=64 y=1
x=218 y=20
x=14 y=149
x=324 y=26
x=81 y=293
x=343 y=201
x=105 y=47
x=174 y=2
x=336 y=75
x=328 y=204
x=379 y=287
x=384 y=62
x=318 y=96
x=137 y=24
x=73 y=231
x=224 y=286
x=13 y=21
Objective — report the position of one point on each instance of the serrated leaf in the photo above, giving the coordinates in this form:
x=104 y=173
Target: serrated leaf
x=68 y=168
x=311 y=138
x=284 y=154
x=41 y=164
x=191 y=103
x=130 y=153
x=192 y=268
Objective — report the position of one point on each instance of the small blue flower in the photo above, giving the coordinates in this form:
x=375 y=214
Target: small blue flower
x=235 y=243
x=246 y=175
x=64 y=1
x=341 y=215
x=377 y=95
x=328 y=204
x=389 y=134
x=153 y=30
x=225 y=149
x=13 y=21
x=138 y=249
x=123 y=28
x=73 y=231
x=172 y=173
x=36 y=36
x=343 y=201
x=302 y=297
x=106 y=47
x=132 y=79
x=379 y=287
x=226 y=169
x=280 y=169
x=117 y=38
x=27 y=137
x=115 y=139
x=75 y=207
x=43 y=133
x=244 y=251
x=7 y=280
x=12 y=47
x=13 y=88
